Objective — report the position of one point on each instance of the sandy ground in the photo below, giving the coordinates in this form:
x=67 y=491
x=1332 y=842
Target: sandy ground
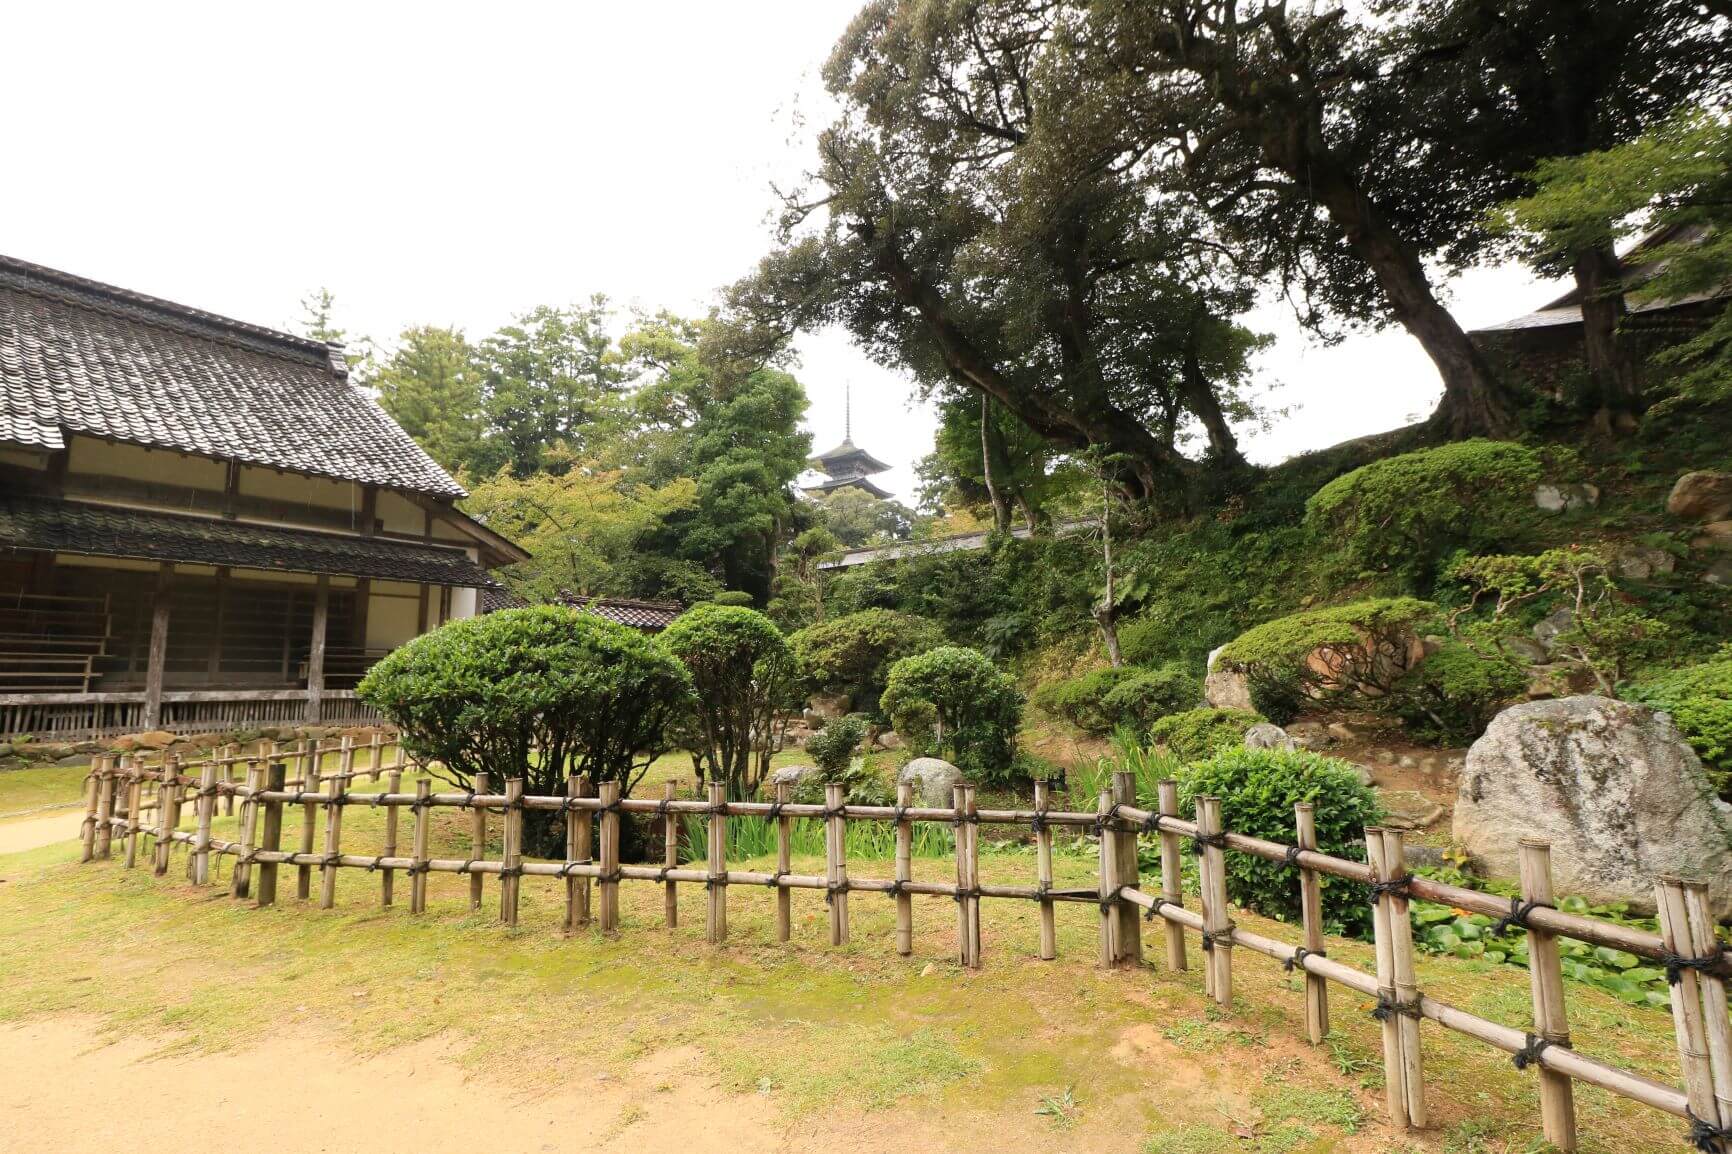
x=35 y=832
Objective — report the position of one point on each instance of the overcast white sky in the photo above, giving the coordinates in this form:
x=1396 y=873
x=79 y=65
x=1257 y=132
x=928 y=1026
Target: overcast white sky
x=458 y=164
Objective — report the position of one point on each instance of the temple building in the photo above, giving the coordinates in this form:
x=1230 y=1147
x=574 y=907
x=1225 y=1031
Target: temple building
x=847 y=465
x=204 y=524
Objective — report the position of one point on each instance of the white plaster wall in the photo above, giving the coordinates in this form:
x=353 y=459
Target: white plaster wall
x=91 y=457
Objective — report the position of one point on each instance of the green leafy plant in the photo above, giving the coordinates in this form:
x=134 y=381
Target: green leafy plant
x=974 y=709
x=1452 y=695
x=1200 y=733
x=1103 y=699
x=743 y=674
x=853 y=653
x=1258 y=789
x=1699 y=698
x=832 y=747
x=1405 y=513
x=1360 y=649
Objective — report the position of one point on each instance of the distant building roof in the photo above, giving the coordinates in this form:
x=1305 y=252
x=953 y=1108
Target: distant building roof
x=955 y=543
x=142 y=534
x=77 y=356
x=834 y=483
x=649 y=616
x=847 y=458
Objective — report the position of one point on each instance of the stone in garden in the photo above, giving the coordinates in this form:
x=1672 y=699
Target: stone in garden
x=1226 y=688
x=792 y=774
x=1341 y=731
x=72 y=760
x=889 y=739
x=1408 y=809
x=1554 y=623
x=1526 y=650
x=1714 y=535
x=1406 y=761
x=1705 y=495
x=1719 y=573
x=1384 y=756
x=1263 y=735
x=1566 y=498
x=5 y=749
x=830 y=706
x=1310 y=735
x=933 y=780
x=1639 y=563
x=1619 y=795
x=151 y=739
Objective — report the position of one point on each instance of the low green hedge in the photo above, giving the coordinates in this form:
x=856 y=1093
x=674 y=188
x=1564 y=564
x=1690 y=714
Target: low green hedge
x=1199 y=733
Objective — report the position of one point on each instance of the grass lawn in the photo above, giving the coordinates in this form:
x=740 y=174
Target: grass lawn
x=1062 y=1053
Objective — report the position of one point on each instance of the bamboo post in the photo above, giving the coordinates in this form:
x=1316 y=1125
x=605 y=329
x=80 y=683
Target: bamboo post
x=836 y=849
x=92 y=796
x=346 y=759
x=904 y=871
x=241 y=876
x=1546 y=980
x=309 y=823
x=1043 y=871
x=1311 y=914
x=206 y=810
x=167 y=816
x=1394 y=1070
x=375 y=757
x=1406 y=981
x=579 y=829
x=717 y=885
x=227 y=756
x=1217 y=915
x=271 y=839
x=105 y=810
x=1108 y=871
x=510 y=880
x=134 y=798
x=334 y=798
x=1688 y=1021
x=418 y=872
x=968 y=874
x=1172 y=874
x=784 y=864
x=609 y=857
x=477 y=841
x=1705 y=943
x=1130 y=928
x=670 y=858
x=388 y=877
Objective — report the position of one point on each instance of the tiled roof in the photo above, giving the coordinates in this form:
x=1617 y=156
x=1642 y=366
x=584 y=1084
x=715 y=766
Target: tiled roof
x=650 y=616
x=111 y=531
x=82 y=357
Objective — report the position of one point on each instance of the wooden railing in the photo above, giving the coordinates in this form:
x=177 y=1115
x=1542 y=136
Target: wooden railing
x=1687 y=946
x=80 y=716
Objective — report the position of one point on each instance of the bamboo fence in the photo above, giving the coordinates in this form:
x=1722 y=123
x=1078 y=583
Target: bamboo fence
x=1697 y=967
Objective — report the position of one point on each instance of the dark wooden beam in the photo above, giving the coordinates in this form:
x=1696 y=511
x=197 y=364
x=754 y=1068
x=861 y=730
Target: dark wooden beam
x=316 y=654
x=158 y=647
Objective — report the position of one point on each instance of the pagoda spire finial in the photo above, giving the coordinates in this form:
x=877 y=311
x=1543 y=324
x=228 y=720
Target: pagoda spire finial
x=847 y=410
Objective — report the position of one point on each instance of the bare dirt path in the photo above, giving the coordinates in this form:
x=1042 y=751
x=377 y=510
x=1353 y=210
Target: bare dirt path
x=29 y=833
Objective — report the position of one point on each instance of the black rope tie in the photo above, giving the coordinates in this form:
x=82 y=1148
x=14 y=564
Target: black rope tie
x=1154 y=911
x=897 y=888
x=775 y=813
x=832 y=814
x=834 y=888
x=469 y=802
x=1292 y=855
x=1397 y=886
x=962 y=819
x=371 y=866
x=1389 y=1006
x=1152 y=823
x=1210 y=937
x=1038 y=825
x=662 y=807
x=900 y=815
x=1297 y=961
x=1200 y=840
x=1529 y=1055
x=1676 y=964
x=464 y=868
x=510 y=871
x=1707 y=1137
x=774 y=881
x=970 y=892
x=1518 y=915
x=331 y=860
x=1110 y=900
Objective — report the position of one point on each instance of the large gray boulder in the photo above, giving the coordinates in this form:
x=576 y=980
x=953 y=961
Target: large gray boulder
x=1702 y=496
x=1264 y=735
x=1618 y=794
x=794 y=775
x=1226 y=688
x=933 y=778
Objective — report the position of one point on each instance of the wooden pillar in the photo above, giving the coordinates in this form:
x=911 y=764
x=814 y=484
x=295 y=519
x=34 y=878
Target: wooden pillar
x=309 y=817
x=1217 y=918
x=240 y=877
x=836 y=873
x=393 y=783
x=271 y=837
x=904 y=868
x=418 y=872
x=1172 y=873
x=1107 y=872
x=167 y=815
x=670 y=858
x=134 y=798
x=336 y=795
x=158 y=654
x=1130 y=928
x=1406 y=981
x=1546 y=980
x=1311 y=915
x=92 y=801
x=105 y=785
x=511 y=854
x=1394 y=1080
x=967 y=876
x=421 y=610
x=206 y=811
x=1689 y=1023
x=579 y=831
x=1705 y=943
x=785 y=864
x=477 y=841
x=316 y=649
x=213 y=659
x=609 y=889
x=717 y=886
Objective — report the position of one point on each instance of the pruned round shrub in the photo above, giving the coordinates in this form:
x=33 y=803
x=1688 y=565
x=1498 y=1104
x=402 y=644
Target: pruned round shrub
x=536 y=693
x=1452 y=695
x=853 y=654
x=1699 y=698
x=1080 y=700
x=1258 y=789
x=968 y=707
x=1405 y=513
x=1102 y=700
x=743 y=673
x=1361 y=649
x=1196 y=734
x=735 y=597
x=832 y=747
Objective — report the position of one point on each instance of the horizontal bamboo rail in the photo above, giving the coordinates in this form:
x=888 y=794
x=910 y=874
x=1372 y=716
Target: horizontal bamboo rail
x=1687 y=946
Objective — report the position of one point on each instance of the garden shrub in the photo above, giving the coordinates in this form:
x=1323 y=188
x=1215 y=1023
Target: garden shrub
x=1452 y=695
x=853 y=654
x=1699 y=698
x=735 y=597
x=1362 y=648
x=832 y=747
x=743 y=673
x=1105 y=699
x=1405 y=513
x=583 y=694
x=1201 y=733
x=1258 y=789
x=969 y=708
x=1080 y=700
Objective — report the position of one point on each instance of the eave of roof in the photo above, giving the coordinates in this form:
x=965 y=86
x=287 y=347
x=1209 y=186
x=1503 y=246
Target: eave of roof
x=835 y=483
x=850 y=453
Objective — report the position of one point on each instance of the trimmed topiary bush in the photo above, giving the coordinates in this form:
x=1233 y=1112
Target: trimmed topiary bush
x=832 y=747
x=1080 y=700
x=1102 y=700
x=743 y=673
x=1258 y=789
x=1405 y=513
x=1452 y=695
x=1201 y=733
x=1699 y=698
x=853 y=654
x=1359 y=649
x=968 y=707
